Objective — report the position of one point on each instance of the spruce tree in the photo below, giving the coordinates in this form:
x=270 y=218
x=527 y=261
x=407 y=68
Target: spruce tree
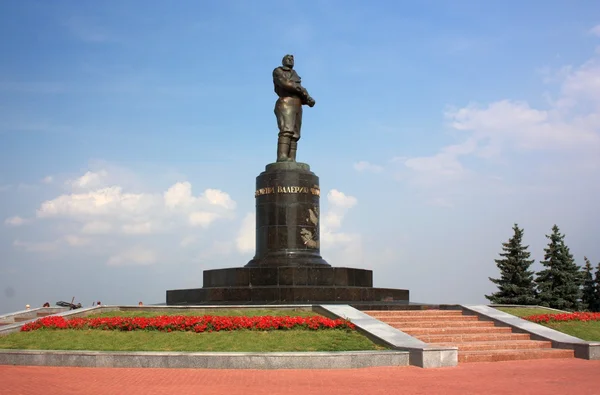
x=515 y=285
x=596 y=306
x=559 y=284
x=589 y=296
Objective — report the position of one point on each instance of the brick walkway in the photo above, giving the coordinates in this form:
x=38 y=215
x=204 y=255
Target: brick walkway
x=571 y=376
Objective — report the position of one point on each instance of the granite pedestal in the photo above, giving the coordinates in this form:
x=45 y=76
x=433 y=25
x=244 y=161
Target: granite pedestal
x=287 y=217
x=287 y=266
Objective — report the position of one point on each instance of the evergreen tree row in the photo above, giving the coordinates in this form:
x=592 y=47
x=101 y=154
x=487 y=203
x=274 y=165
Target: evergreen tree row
x=561 y=284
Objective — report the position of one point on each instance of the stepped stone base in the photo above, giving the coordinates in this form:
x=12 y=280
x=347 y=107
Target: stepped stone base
x=287 y=285
x=285 y=295
x=288 y=276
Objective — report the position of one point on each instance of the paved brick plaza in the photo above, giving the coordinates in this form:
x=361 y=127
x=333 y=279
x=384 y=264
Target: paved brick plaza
x=571 y=376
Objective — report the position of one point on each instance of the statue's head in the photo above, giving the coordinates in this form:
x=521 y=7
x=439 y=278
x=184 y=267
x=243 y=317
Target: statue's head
x=288 y=61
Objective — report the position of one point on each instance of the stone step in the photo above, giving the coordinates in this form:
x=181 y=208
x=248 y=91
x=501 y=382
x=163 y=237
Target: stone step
x=513 y=355
x=454 y=331
x=441 y=324
x=472 y=337
x=403 y=313
x=5 y=323
x=43 y=314
x=496 y=345
x=21 y=319
x=468 y=318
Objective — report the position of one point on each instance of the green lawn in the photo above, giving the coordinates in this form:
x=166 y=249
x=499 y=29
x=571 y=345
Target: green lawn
x=243 y=340
x=589 y=331
x=526 y=311
x=268 y=341
x=219 y=312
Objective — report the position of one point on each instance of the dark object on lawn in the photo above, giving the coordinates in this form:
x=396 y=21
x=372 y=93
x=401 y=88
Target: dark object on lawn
x=71 y=306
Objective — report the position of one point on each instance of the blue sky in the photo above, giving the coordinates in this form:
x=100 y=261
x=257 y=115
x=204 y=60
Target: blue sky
x=131 y=134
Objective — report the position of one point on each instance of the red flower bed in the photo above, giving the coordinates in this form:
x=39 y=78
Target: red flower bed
x=205 y=323
x=564 y=317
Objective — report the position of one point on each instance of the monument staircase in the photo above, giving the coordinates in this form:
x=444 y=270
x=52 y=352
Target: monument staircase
x=477 y=341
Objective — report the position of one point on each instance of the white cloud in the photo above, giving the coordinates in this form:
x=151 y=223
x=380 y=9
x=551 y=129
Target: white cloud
x=102 y=216
x=333 y=220
x=217 y=249
x=517 y=125
x=569 y=126
x=246 y=238
x=36 y=246
x=219 y=198
x=338 y=205
x=333 y=239
x=111 y=208
x=341 y=200
x=70 y=240
x=138 y=256
x=188 y=241
x=364 y=166
x=108 y=202
x=180 y=196
x=440 y=202
x=493 y=119
x=442 y=165
x=76 y=241
x=141 y=228
x=96 y=227
x=202 y=218
x=581 y=84
x=48 y=180
x=90 y=180
x=595 y=30
x=16 y=221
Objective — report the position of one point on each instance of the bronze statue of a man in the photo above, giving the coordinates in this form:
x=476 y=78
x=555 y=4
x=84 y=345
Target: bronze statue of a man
x=288 y=108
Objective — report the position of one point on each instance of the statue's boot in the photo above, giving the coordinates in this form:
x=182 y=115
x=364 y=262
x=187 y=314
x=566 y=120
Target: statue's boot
x=283 y=149
x=293 y=148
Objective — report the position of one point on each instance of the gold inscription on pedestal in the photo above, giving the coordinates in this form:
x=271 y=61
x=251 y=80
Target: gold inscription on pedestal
x=264 y=191
x=314 y=190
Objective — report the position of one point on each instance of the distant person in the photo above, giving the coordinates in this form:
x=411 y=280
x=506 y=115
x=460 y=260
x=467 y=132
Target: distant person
x=99 y=303
x=46 y=304
x=140 y=304
x=27 y=307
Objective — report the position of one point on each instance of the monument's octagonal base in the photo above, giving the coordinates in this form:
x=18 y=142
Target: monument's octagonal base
x=285 y=295
x=286 y=285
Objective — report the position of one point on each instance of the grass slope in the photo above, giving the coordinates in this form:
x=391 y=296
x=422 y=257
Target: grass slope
x=248 y=341
x=242 y=341
x=526 y=311
x=589 y=331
